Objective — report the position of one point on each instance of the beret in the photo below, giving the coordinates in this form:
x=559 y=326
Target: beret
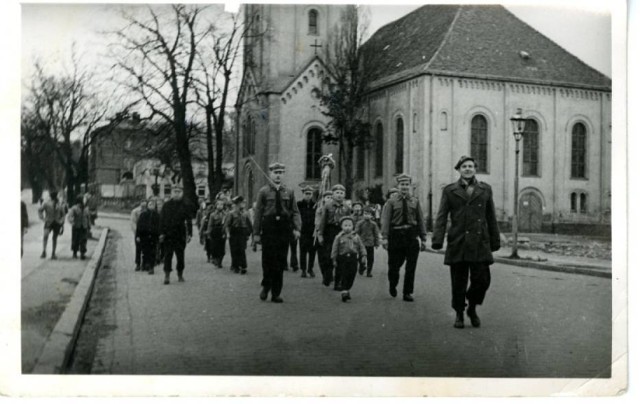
x=327 y=193
x=308 y=188
x=462 y=160
x=343 y=218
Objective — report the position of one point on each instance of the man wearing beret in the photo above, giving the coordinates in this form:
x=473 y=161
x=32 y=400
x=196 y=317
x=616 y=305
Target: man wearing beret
x=175 y=232
x=276 y=219
x=328 y=229
x=471 y=239
x=307 y=208
x=402 y=224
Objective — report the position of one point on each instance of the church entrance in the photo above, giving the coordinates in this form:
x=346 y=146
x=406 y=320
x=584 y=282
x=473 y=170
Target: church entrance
x=530 y=213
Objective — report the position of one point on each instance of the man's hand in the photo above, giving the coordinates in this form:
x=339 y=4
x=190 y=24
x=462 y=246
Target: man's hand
x=188 y=239
x=363 y=261
x=296 y=234
x=320 y=239
x=161 y=238
x=137 y=239
x=256 y=239
x=385 y=243
x=423 y=246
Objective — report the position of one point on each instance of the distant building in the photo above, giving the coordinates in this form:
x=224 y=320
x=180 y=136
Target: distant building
x=446 y=80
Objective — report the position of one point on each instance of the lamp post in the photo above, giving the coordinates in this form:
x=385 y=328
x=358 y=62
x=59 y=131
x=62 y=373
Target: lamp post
x=517 y=122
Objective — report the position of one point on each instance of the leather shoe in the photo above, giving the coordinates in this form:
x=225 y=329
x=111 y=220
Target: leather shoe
x=166 y=280
x=459 y=320
x=473 y=316
x=407 y=298
x=277 y=299
x=345 y=296
x=312 y=274
x=180 y=278
x=392 y=291
x=263 y=294
x=303 y=274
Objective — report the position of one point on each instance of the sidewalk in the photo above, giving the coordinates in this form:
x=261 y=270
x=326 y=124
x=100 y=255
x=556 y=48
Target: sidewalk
x=47 y=286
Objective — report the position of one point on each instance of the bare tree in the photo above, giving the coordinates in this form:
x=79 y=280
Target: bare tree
x=217 y=63
x=156 y=53
x=343 y=92
x=65 y=109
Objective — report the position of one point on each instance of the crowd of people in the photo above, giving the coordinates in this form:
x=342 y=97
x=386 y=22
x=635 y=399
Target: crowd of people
x=343 y=234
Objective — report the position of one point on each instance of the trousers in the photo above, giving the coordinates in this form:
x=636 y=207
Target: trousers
x=307 y=252
x=275 y=245
x=174 y=246
x=237 y=248
x=403 y=248
x=479 y=275
x=346 y=268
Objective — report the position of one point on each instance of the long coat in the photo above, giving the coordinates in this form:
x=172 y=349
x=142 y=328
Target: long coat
x=474 y=232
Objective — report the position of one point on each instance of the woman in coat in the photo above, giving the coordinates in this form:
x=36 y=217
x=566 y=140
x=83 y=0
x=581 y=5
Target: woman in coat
x=471 y=239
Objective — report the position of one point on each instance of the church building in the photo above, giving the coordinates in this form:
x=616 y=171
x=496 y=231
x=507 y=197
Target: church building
x=445 y=80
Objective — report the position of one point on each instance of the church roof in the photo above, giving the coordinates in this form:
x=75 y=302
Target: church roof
x=483 y=41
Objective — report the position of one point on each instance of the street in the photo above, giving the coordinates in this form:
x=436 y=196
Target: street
x=534 y=323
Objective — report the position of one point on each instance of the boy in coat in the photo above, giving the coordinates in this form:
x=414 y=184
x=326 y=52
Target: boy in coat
x=369 y=233
x=80 y=222
x=346 y=251
x=471 y=239
x=215 y=232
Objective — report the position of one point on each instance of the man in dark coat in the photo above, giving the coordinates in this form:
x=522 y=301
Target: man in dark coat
x=147 y=231
x=471 y=239
x=276 y=219
x=175 y=232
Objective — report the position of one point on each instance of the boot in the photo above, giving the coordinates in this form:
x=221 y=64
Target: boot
x=473 y=316
x=311 y=274
x=304 y=274
x=166 y=278
x=459 y=319
x=264 y=293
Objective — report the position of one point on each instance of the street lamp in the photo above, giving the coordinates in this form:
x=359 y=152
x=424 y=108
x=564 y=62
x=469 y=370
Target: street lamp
x=517 y=122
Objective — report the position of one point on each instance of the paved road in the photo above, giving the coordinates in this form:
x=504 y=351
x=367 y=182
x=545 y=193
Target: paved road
x=535 y=324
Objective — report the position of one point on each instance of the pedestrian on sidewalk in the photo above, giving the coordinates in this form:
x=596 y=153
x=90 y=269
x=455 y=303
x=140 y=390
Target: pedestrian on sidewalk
x=91 y=203
x=175 y=232
x=402 y=224
x=52 y=213
x=215 y=233
x=147 y=234
x=237 y=228
x=328 y=229
x=306 y=206
x=471 y=239
x=347 y=251
x=24 y=224
x=135 y=215
x=276 y=218
x=160 y=245
x=369 y=233
x=80 y=222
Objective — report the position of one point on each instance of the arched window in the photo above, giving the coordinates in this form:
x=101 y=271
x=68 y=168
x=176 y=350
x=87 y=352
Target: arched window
x=530 y=149
x=578 y=150
x=314 y=152
x=379 y=140
x=360 y=162
x=574 y=202
x=313 y=22
x=443 y=121
x=252 y=137
x=250 y=185
x=479 y=142
x=583 y=203
x=399 y=145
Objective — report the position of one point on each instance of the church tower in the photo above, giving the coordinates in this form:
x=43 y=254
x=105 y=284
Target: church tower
x=279 y=117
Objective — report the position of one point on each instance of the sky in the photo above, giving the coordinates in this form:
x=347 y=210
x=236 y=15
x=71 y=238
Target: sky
x=48 y=30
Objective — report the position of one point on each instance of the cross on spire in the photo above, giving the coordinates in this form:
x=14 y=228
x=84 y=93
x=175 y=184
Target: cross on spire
x=315 y=46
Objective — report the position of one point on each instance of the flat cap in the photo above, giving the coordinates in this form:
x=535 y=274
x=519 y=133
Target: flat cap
x=403 y=177
x=356 y=203
x=327 y=193
x=276 y=166
x=338 y=187
x=238 y=199
x=344 y=218
x=308 y=188
x=462 y=160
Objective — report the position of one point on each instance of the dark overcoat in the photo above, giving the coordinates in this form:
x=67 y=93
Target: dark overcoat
x=474 y=232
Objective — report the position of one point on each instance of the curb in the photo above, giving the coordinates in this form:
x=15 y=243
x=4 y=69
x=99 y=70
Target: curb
x=120 y=216
x=546 y=267
x=59 y=346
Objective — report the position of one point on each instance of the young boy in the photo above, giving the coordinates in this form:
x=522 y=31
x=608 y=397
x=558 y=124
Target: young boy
x=369 y=233
x=202 y=230
x=346 y=251
x=357 y=212
x=215 y=232
x=328 y=228
x=80 y=224
x=237 y=227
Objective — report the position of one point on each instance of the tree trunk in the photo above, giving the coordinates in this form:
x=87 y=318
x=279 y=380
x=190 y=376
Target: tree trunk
x=210 y=167
x=184 y=156
x=348 y=165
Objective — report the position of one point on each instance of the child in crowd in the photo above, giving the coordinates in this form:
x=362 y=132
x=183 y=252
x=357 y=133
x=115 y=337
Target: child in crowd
x=202 y=231
x=346 y=252
x=147 y=235
x=357 y=211
x=369 y=233
x=238 y=228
